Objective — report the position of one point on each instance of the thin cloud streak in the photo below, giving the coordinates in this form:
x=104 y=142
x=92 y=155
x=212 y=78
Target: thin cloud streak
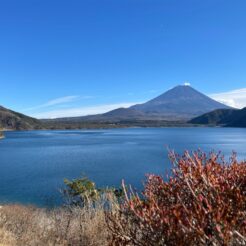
x=234 y=98
x=82 y=111
x=60 y=100
x=57 y=101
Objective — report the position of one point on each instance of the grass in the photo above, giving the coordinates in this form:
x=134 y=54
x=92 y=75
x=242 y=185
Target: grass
x=22 y=225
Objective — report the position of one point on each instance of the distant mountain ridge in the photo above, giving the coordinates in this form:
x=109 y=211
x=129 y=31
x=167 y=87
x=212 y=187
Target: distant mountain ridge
x=222 y=117
x=180 y=103
x=176 y=106
x=12 y=120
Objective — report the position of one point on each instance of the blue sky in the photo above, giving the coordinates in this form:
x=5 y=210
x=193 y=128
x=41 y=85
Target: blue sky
x=64 y=58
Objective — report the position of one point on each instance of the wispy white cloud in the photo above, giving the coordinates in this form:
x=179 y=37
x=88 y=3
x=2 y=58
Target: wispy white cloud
x=234 y=98
x=60 y=100
x=57 y=101
x=81 y=111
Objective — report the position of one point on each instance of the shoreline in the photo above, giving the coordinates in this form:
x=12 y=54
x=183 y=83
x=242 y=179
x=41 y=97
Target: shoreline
x=116 y=127
x=112 y=128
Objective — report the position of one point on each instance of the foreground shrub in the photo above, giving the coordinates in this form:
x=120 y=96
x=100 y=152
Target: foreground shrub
x=203 y=202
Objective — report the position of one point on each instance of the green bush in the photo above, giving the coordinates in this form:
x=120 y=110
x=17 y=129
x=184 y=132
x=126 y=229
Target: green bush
x=83 y=191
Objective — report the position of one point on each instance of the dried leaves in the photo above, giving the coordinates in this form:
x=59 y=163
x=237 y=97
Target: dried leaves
x=202 y=203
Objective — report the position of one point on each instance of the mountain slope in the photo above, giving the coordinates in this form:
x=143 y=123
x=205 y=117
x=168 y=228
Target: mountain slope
x=226 y=117
x=181 y=102
x=216 y=117
x=238 y=119
x=111 y=116
x=117 y=115
x=15 y=121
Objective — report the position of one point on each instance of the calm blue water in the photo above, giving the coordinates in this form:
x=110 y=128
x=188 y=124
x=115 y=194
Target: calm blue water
x=33 y=164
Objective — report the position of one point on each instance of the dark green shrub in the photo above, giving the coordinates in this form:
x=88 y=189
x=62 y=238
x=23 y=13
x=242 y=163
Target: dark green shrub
x=83 y=191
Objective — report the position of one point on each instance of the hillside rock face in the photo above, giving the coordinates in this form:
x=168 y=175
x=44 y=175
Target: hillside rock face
x=15 y=121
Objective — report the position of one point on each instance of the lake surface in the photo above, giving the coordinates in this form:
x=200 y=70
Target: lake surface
x=33 y=164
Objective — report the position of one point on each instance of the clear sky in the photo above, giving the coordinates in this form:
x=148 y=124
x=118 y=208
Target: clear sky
x=76 y=57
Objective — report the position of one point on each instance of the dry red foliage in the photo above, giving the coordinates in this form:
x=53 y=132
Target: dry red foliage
x=203 y=202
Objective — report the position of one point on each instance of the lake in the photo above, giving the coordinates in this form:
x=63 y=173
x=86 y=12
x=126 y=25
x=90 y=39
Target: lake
x=33 y=164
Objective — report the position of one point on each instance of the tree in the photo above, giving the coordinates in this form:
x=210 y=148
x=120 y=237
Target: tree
x=83 y=191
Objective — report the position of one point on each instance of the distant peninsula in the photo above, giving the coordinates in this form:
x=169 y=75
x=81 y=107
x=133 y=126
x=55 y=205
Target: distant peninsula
x=222 y=117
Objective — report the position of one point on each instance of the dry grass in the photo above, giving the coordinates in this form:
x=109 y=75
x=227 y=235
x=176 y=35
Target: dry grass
x=21 y=225
x=7 y=239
